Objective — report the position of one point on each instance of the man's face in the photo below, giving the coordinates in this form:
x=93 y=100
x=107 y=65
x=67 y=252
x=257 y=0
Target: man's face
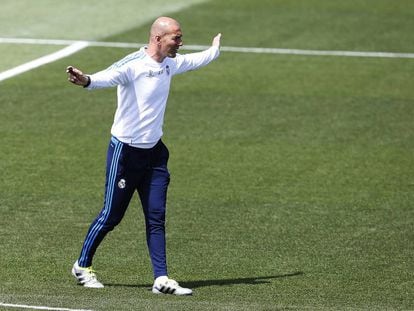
x=171 y=42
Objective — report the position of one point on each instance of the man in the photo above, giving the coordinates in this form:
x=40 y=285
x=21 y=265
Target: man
x=137 y=158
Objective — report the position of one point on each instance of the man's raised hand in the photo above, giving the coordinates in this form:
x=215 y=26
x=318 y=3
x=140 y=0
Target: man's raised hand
x=216 y=40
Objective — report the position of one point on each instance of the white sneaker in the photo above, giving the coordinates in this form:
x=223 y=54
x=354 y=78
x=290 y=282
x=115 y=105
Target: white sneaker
x=164 y=285
x=86 y=276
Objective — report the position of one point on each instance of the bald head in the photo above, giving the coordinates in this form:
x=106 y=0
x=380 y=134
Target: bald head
x=164 y=25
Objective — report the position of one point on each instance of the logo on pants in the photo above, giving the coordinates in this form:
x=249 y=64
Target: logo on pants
x=121 y=184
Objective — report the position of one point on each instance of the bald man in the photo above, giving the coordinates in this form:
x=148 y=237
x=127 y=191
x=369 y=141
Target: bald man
x=137 y=158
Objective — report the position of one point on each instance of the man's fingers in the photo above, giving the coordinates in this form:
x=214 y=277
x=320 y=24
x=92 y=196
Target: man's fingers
x=216 y=40
x=72 y=75
x=74 y=71
x=75 y=75
x=70 y=70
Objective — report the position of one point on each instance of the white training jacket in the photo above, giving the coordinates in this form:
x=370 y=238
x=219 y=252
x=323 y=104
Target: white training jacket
x=143 y=87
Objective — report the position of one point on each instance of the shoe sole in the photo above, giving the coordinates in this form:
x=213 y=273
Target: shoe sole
x=158 y=292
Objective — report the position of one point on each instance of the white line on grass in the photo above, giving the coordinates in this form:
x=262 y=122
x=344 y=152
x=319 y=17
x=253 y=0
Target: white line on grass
x=74 y=47
x=38 y=307
x=223 y=48
x=310 y=52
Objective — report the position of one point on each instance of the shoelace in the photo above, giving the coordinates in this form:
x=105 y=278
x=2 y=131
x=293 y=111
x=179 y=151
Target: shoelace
x=88 y=270
x=172 y=283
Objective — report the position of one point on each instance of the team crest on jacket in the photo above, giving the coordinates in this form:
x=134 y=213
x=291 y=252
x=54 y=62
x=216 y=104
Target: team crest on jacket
x=121 y=184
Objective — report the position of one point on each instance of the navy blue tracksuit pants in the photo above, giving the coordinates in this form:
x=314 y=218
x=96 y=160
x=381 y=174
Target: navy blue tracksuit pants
x=131 y=169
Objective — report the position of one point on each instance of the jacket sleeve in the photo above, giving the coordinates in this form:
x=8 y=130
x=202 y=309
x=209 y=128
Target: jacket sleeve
x=194 y=61
x=110 y=77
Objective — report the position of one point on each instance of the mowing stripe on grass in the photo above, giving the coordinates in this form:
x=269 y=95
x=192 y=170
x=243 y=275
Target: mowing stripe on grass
x=10 y=305
x=71 y=49
x=223 y=48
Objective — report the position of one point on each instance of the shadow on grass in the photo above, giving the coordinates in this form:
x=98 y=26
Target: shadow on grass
x=223 y=282
x=250 y=281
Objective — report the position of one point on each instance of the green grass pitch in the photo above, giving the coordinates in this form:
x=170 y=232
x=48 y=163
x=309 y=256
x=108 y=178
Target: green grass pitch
x=292 y=176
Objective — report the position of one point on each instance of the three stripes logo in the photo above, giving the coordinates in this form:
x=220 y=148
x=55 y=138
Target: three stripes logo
x=166 y=290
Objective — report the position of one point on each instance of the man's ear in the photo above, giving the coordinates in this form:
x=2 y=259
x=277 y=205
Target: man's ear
x=158 y=40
